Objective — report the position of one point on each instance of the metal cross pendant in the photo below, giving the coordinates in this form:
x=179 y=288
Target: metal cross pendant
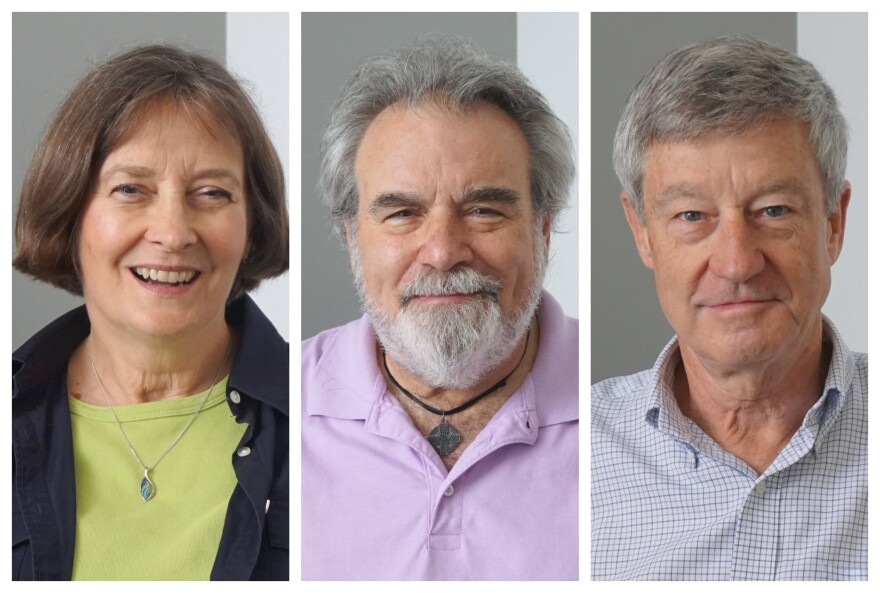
x=444 y=438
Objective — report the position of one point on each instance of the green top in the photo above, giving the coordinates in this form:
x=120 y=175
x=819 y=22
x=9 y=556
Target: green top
x=176 y=534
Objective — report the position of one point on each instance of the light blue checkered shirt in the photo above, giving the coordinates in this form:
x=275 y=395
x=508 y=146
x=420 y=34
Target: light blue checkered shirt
x=669 y=503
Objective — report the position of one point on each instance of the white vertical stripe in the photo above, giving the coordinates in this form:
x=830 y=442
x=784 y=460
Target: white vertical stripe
x=547 y=52
x=837 y=44
x=257 y=51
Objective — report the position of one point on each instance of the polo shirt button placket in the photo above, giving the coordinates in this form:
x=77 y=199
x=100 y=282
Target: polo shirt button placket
x=447 y=524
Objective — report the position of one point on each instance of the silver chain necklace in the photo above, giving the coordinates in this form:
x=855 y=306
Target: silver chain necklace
x=148 y=489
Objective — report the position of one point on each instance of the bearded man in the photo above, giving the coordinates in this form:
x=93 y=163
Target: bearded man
x=439 y=431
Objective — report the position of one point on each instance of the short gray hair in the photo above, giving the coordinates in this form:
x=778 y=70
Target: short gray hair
x=454 y=73
x=729 y=85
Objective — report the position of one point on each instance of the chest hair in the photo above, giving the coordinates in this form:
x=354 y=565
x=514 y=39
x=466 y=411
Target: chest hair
x=468 y=423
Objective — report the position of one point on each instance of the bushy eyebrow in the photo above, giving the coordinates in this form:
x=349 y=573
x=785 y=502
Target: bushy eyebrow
x=679 y=190
x=786 y=184
x=497 y=195
x=388 y=200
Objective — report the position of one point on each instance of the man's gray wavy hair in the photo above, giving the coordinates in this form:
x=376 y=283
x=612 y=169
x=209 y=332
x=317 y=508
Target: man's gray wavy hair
x=455 y=74
x=728 y=85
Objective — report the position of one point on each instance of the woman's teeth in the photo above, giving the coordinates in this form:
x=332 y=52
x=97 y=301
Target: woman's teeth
x=165 y=276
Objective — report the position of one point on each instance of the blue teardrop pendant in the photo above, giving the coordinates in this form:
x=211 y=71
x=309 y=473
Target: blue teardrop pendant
x=148 y=489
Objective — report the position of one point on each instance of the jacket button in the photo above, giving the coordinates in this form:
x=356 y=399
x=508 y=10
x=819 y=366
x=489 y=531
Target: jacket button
x=235 y=396
x=244 y=451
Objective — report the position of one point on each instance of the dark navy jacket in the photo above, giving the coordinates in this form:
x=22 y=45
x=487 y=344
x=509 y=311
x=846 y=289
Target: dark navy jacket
x=254 y=544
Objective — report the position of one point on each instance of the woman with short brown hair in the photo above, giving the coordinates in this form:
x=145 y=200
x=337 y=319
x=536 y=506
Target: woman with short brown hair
x=150 y=426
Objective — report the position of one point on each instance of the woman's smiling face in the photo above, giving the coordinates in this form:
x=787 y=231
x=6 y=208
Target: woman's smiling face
x=165 y=227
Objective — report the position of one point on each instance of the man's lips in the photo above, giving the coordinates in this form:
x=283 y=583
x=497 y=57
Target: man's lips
x=442 y=298
x=446 y=299
x=738 y=304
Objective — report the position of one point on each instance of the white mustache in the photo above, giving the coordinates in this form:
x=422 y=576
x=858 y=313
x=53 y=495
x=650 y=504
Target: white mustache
x=461 y=281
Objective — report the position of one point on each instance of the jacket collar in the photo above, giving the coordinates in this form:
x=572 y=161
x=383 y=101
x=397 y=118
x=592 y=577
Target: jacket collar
x=261 y=352
x=38 y=360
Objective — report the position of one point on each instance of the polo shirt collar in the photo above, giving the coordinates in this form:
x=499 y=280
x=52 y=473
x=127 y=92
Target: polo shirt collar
x=350 y=391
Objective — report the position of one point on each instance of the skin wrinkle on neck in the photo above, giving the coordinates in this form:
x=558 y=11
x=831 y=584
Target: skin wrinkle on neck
x=751 y=413
x=136 y=373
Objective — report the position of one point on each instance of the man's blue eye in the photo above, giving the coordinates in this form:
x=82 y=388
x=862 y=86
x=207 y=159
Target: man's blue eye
x=775 y=211
x=691 y=216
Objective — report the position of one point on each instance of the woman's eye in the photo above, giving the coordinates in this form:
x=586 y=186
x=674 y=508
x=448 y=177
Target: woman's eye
x=216 y=192
x=691 y=216
x=126 y=189
x=775 y=211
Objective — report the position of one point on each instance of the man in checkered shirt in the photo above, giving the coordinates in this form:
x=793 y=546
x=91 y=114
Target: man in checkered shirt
x=742 y=454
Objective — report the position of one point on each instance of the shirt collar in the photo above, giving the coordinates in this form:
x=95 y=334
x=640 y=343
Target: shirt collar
x=662 y=410
x=350 y=380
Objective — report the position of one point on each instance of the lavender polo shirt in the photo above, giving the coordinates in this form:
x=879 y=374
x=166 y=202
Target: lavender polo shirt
x=377 y=501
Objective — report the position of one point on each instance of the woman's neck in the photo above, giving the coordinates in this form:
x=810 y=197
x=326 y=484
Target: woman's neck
x=137 y=370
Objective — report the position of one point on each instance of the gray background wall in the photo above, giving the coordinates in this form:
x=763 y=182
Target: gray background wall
x=51 y=52
x=628 y=327
x=332 y=45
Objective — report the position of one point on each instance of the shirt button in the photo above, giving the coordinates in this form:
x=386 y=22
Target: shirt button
x=818 y=445
x=449 y=491
x=235 y=397
x=760 y=487
x=244 y=451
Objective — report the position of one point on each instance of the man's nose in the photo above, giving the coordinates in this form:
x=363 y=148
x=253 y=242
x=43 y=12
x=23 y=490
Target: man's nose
x=736 y=252
x=445 y=243
x=169 y=222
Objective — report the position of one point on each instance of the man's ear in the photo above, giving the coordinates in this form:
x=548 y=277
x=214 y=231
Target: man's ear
x=348 y=239
x=639 y=231
x=545 y=229
x=837 y=223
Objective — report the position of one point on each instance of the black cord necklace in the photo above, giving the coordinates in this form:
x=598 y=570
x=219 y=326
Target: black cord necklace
x=444 y=438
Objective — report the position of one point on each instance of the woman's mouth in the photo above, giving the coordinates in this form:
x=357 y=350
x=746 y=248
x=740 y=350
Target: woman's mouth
x=166 y=277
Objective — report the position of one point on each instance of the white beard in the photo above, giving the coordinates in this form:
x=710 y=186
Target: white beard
x=452 y=346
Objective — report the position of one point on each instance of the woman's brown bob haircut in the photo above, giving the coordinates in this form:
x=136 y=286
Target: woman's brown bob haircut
x=102 y=111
